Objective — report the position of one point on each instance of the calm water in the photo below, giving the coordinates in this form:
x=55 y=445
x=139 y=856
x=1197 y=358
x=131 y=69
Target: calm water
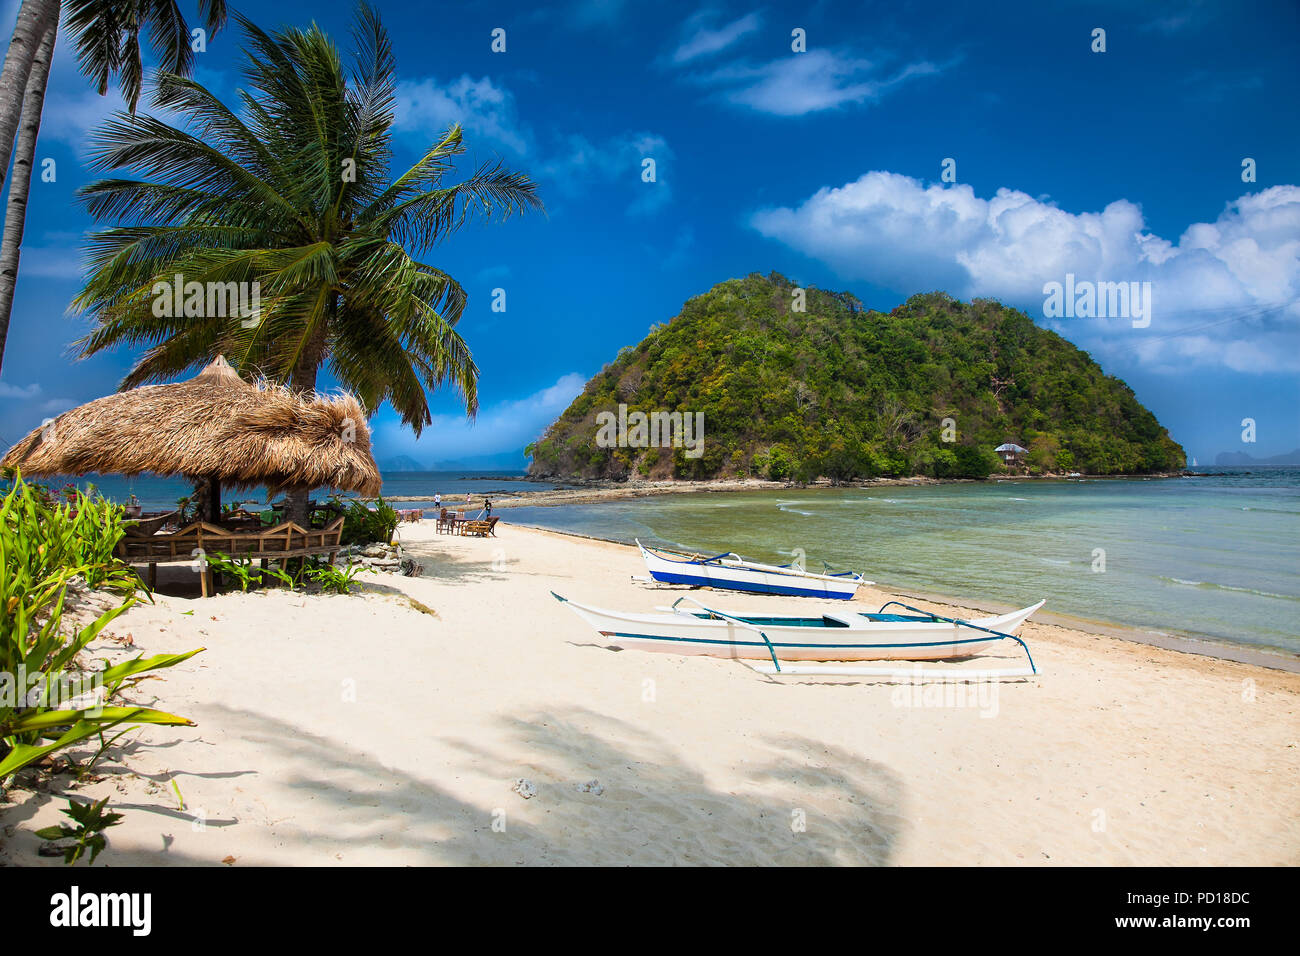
x=157 y=493
x=1216 y=556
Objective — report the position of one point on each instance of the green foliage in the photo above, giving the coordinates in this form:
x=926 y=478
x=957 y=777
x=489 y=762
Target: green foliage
x=842 y=392
x=289 y=185
x=88 y=834
x=242 y=570
x=336 y=580
x=365 y=525
x=43 y=546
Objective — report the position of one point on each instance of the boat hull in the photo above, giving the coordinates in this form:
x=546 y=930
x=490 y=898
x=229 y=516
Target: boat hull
x=905 y=640
x=735 y=576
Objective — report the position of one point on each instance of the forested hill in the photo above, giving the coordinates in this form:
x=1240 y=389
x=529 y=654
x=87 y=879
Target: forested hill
x=842 y=392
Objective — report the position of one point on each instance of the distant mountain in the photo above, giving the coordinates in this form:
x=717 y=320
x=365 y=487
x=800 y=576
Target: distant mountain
x=840 y=391
x=1241 y=458
x=504 y=460
x=401 y=463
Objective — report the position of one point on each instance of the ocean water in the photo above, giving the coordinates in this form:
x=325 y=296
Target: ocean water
x=1214 y=557
x=156 y=494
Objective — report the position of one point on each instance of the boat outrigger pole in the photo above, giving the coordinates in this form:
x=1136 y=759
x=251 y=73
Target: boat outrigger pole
x=961 y=623
x=735 y=620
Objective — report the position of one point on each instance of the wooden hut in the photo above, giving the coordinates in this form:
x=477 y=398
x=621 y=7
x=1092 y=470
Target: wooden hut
x=1011 y=453
x=218 y=431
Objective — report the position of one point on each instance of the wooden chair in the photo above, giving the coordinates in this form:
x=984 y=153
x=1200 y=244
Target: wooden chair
x=481 y=529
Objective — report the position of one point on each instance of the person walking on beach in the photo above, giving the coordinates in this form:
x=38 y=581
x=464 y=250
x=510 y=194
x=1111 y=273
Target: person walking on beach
x=468 y=500
x=437 y=502
x=487 y=503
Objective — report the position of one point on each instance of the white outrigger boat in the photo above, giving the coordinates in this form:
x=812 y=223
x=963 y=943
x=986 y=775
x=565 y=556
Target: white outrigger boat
x=733 y=573
x=832 y=635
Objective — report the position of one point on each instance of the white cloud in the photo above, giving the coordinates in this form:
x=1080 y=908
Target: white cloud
x=809 y=82
x=19 y=392
x=581 y=164
x=505 y=426
x=484 y=109
x=705 y=41
x=71 y=117
x=1225 y=293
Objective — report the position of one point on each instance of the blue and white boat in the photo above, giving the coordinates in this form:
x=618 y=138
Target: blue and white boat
x=730 y=572
x=813 y=634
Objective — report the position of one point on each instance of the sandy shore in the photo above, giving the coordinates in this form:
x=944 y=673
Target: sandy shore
x=359 y=730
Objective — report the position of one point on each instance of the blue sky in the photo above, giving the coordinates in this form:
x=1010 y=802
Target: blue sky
x=825 y=165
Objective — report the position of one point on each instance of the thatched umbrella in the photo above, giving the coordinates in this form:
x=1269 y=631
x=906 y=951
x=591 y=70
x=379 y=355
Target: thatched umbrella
x=215 y=429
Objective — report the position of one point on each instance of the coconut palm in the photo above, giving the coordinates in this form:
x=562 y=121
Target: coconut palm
x=292 y=193
x=108 y=45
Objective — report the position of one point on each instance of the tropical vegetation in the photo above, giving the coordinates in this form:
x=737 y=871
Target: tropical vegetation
x=289 y=194
x=842 y=392
x=46 y=544
x=109 y=45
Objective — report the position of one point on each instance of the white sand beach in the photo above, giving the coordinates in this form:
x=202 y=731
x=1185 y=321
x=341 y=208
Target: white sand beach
x=358 y=730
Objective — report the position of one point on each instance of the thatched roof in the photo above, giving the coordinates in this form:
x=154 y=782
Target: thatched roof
x=214 y=425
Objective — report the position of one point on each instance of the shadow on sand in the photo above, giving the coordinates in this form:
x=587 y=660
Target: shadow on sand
x=791 y=809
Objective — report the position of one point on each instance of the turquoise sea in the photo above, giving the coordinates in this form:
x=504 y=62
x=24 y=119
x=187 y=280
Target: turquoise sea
x=1214 y=557
x=156 y=493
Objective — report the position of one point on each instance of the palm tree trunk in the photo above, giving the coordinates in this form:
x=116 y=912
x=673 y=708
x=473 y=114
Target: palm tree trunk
x=34 y=18
x=20 y=184
x=297 y=502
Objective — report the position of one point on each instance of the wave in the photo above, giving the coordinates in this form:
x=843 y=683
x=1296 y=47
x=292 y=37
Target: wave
x=1211 y=586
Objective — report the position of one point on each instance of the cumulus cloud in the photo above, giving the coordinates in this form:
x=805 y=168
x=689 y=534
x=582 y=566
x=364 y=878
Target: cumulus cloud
x=702 y=40
x=482 y=107
x=1225 y=293
x=504 y=426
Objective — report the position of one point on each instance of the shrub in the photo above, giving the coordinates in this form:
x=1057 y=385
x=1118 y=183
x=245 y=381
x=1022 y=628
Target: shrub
x=363 y=525
x=330 y=578
x=43 y=546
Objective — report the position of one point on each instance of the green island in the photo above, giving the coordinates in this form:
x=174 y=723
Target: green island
x=838 y=391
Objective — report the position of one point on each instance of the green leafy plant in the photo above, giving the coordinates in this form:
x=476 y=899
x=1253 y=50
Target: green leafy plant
x=85 y=770
x=87 y=835
x=364 y=525
x=330 y=578
x=243 y=571
x=43 y=546
x=283 y=577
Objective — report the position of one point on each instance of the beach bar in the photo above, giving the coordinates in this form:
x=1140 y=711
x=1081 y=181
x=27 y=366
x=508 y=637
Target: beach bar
x=217 y=430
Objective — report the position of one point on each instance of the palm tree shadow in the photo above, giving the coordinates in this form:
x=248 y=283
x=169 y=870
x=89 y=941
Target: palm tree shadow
x=655 y=808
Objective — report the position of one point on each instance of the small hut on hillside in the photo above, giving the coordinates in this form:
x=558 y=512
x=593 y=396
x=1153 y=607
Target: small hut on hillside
x=216 y=430
x=1012 y=454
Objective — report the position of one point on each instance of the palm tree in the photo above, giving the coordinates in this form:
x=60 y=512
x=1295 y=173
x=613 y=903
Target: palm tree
x=291 y=194
x=108 y=44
